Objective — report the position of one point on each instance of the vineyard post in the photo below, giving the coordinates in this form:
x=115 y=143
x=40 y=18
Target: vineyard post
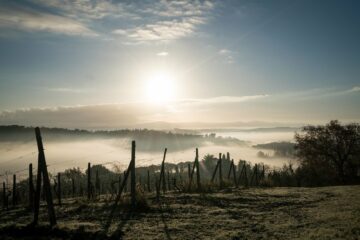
x=59 y=188
x=14 y=197
x=42 y=170
x=189 y=171
x=89 y=181
x=197 y=170
x=234 y=173
x=220 y=171
x=133 y=176
x=31 y=188
x=148 y=181
x=162 y=173
x=215 y=171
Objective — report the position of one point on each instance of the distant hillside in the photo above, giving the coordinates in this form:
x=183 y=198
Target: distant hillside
x=281 y=149
x=147 y=139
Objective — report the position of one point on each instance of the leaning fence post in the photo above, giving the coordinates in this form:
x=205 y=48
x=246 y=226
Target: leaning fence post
x=133 y=176
x=31 y=188
x=162 y=173
x=89 y=181
x=42 y=170
x=59 y=188
x=14 y=197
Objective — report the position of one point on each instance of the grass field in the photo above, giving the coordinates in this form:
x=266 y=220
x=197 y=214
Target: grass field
x=269 y=213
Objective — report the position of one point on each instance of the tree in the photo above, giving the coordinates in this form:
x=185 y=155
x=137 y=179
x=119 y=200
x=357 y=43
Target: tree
x=332 y=146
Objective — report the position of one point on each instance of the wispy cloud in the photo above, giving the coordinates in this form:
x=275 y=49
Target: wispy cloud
x=224 y=99
x=66 y=90
x=169 y=20
x=18 y=17
x=354 y=89
x=141 y=20
x=163 y=30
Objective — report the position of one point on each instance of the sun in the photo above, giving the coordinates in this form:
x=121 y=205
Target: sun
x=160 y=87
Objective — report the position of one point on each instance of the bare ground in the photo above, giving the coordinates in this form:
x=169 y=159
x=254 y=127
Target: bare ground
x=257 y=213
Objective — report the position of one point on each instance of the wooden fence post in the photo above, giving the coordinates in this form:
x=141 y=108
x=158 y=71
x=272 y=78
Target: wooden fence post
x=234 y=173
x=197 y=170
x=42 y=170
x=148 y=181
x=133 y=176
x=14 y=197
x=195 y=166
x=59 y=188
x=229 y=173
x=215 y=171
x=232 y=170
x=189 y=171
x=220 y=171
x=162 y=173
x=89 y=181
x=246 y=176
x=31 y=188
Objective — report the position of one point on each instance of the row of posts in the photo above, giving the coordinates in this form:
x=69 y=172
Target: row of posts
x=160 y=183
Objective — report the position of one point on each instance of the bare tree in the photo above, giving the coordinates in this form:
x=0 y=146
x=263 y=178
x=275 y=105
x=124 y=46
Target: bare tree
x=334 y=144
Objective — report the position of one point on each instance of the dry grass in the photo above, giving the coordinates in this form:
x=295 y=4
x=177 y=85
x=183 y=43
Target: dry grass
x=272 y=213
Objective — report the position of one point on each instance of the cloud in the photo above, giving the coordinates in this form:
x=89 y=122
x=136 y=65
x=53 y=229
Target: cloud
x=162 y=30
x=107 y=116
x=66 y=90
x=91 y=116
x=354 y=89
x=141 y=20
x=162 y=54
x=225 y=99
x=86 y=9
x=168 y=20
x=14 y=16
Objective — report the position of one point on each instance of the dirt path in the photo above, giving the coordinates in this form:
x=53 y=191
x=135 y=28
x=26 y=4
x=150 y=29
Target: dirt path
x=277 y=213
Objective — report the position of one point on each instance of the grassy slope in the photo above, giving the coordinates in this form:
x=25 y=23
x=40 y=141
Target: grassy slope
x=276 y=213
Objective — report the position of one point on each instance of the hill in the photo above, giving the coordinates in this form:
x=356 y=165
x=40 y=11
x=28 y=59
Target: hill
x=257 y=213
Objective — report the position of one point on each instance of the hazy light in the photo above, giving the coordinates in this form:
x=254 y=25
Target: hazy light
x=160 y=87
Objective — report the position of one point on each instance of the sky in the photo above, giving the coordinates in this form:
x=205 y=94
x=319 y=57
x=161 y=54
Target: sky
x=114 y=64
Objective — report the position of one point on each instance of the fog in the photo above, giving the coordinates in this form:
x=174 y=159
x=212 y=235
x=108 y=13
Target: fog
x=61 y=155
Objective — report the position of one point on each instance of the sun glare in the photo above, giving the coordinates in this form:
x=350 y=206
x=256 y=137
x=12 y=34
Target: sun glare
x=160 y=87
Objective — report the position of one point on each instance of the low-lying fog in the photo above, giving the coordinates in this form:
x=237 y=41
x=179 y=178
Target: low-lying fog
x=60 y=155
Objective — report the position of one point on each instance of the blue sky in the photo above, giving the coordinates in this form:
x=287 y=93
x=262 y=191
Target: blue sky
x=63 y=63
